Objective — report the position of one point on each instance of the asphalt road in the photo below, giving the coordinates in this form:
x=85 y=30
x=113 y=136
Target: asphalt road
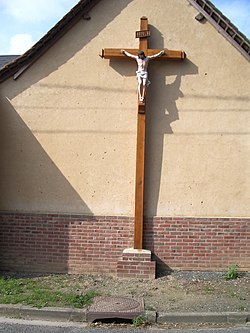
x=25 y=326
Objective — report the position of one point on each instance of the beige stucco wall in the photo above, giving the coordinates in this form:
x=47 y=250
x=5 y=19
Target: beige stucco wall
x=68 y=124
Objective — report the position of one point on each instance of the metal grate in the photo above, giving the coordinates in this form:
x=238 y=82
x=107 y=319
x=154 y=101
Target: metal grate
x=114 y=307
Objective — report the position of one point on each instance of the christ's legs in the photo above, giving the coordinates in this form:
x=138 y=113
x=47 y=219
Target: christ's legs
x=140 y=89
x=144 y=83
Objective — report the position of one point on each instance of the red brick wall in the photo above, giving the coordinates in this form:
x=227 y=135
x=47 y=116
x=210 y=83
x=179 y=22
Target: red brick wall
x=199 y=243
x=63 y=243
x=85 y=244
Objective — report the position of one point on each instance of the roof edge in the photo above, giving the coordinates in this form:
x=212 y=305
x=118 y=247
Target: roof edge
x=223 y=25
x=20 y=64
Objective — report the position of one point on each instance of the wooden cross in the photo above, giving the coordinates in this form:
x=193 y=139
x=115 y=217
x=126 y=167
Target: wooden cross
x=143 y=35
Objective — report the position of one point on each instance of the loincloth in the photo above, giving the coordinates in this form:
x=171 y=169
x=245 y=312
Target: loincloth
x=143 y=75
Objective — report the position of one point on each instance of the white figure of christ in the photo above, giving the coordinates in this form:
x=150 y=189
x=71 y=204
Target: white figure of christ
x=142 y=72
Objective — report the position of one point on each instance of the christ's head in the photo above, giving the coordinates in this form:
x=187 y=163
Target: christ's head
x=141 y=55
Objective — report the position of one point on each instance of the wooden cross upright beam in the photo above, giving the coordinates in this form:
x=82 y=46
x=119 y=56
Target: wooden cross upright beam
x=143 y=35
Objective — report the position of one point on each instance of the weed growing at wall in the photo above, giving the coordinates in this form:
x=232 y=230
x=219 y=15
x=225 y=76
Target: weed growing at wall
x=232 y=273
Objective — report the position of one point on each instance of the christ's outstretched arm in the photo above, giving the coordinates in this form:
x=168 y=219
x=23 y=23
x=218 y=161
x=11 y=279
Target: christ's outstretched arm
x=128 y=54
x=156 y=55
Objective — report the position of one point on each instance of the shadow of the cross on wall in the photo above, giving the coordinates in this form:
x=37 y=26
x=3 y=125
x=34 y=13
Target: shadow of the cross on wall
x=162 y=111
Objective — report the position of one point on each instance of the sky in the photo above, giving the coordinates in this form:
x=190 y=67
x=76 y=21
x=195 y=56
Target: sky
x=24 y=22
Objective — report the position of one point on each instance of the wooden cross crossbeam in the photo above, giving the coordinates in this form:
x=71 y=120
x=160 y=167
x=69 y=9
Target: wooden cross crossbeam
x=114 y=53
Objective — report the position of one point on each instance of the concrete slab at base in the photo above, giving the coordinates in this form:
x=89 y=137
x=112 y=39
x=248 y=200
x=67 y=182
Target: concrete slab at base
x=136 y=264
x=136 y=251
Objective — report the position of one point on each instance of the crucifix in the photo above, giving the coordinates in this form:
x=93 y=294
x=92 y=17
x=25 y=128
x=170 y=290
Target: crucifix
x=166 y=54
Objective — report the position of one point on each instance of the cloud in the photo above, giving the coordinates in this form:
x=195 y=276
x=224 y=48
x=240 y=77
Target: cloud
x=26 y=21
x=20 y=43
x=36 y=11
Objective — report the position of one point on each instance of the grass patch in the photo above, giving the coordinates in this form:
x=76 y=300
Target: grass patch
x=139 y=321
x=80 y=301
x=34 y=293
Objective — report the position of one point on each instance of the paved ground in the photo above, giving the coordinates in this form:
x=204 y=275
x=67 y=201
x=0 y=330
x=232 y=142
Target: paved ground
x=24 y=326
